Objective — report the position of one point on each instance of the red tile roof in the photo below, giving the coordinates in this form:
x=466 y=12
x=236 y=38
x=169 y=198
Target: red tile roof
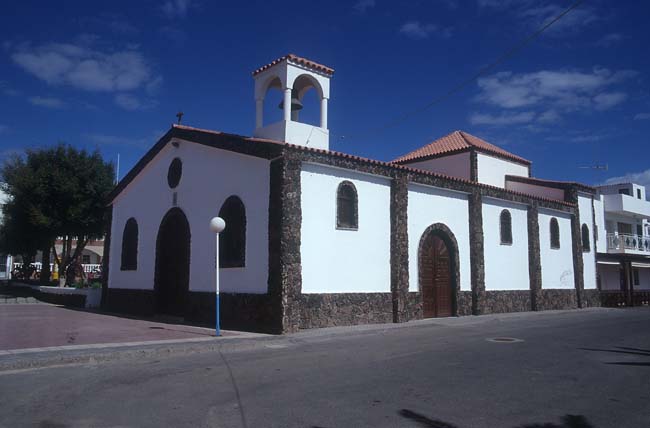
x=457 y=141
x=298 y=60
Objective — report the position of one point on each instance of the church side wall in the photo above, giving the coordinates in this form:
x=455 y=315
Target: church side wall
x=600 y=223
x=209 y=176
x=453 y=165
x=430 y=205
x=506 y=265
x=493 y=171
x=558 y=286
x=338 y=260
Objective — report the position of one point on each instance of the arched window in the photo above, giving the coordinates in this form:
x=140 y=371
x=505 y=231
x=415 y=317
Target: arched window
x=586 y=244
x=555 y=233
x=130 y=245
x=506 y=227
x=347 y=206
x=232 y=241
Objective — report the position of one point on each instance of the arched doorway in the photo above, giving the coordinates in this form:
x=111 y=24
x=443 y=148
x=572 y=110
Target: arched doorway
x=172 y=278
x=438 y=272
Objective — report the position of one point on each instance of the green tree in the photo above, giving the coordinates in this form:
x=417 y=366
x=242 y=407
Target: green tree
x=58 y=192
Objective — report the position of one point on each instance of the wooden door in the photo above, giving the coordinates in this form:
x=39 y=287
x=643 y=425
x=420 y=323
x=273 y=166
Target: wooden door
x=435 y=278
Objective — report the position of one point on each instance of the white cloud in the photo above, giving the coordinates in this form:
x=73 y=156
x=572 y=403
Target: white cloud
x=607 y=100
x=642 y=178
x=642 y=116
x=176 y=8
x=609 y=39
x=84 y=68
x=560 y=89
x=502 y=119
x=530 y=14
x=362 y=6
x=549 y=116
x=53 y=103
x=419 y=31
x=131 y=102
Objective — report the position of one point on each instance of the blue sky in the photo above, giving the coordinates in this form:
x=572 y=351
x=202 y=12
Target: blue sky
x=113 y=75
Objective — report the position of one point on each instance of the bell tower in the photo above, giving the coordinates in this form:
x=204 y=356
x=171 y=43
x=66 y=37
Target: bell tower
x=294 y=76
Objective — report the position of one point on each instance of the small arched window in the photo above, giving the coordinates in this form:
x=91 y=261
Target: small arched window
x=586 y=244
x=130 y=245
x=347 y=206
x=506 y=227
x=232 y=241
x=555 y=233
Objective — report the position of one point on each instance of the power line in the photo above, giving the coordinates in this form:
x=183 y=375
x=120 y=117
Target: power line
x=482 y=71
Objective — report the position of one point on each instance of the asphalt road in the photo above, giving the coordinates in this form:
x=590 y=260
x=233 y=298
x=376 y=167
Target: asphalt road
x=588 y=368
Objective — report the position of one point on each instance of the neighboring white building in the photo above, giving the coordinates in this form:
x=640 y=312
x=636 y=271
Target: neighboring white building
x=624 y=265
x=6 y=261
x=320 y=238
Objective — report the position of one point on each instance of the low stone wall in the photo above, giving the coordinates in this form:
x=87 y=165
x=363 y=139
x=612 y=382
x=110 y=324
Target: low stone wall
x=556 y=299
x=413 y=306
x=239 y=311
x=495 y=302
x=128 y=301
x=339 y=309
x=591 y=299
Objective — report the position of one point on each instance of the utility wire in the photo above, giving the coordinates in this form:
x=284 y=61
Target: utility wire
x=482 y=71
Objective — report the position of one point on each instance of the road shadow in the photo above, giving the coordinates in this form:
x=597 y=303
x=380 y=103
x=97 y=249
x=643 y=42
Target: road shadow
x=568 y=421
x=626 y=351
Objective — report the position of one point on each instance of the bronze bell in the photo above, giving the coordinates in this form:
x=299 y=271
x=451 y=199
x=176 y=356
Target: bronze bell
x=295 y=103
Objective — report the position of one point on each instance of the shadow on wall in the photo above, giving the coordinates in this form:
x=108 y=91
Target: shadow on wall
x=568 y=421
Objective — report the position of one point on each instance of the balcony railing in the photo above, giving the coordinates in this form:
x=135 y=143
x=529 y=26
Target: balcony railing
x=623 y=241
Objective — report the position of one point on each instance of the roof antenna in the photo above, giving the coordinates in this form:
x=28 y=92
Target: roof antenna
x=603 y=167
x=179 y=115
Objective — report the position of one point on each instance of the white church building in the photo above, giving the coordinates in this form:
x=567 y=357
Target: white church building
x=318 y=238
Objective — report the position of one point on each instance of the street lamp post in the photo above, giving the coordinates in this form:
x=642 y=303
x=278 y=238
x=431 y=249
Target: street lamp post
x=217 y=225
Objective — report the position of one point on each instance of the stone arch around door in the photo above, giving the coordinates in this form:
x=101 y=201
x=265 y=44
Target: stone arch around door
x=438 y=300
x=172 y=270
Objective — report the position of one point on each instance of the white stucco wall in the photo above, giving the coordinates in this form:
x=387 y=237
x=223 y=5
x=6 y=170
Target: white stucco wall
x=492 y=170
x=532 y=189
x=588 y=257
x=600 y=222
x=557 y=264
x=506 y=266
x=344 y=261
x=209 y=177
x=430 y=205
x=453 y=165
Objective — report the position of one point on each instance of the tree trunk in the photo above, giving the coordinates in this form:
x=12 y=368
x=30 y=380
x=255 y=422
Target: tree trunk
x=45 y=266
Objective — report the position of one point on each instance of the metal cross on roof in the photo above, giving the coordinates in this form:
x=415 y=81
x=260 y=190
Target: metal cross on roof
x=179 y=115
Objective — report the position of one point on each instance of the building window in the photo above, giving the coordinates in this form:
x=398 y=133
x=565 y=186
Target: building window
x=638 y=193
x=555 y=233
x=506 y=227
x=232 y=241
x=586 y=244
x=624 y=191
x=174 y=173
x=635 y=274
x=130 y=245
x=347 y=206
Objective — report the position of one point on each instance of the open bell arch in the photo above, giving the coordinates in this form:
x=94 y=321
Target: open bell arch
x=294 y=76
